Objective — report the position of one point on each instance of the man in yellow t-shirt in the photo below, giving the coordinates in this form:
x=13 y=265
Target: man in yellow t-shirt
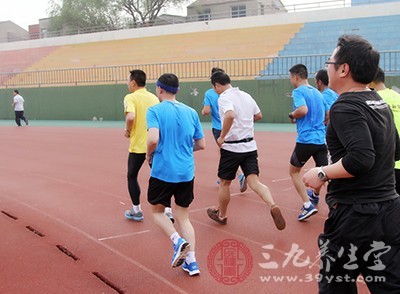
x=392 y=98
x=135 y=107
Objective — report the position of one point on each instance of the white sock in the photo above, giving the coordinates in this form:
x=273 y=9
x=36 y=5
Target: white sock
x=167 y=209
x=190 y=257
x=174 y=238
x=307 y=204
x=136 y=208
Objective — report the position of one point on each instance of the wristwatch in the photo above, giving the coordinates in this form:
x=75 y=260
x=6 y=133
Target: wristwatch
x=291 y=115
x=322 y=175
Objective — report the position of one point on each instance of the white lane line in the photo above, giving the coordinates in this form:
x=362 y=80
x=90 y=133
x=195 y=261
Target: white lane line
x=124 y=235
x=281 y=180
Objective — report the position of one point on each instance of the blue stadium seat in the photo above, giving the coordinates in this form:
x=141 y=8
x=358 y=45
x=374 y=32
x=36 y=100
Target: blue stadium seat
x=321 y=37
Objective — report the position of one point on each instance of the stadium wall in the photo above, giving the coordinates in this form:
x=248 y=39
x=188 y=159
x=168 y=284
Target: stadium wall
x=106 y=101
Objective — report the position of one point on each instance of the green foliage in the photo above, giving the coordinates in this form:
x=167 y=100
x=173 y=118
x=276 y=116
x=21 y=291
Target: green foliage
x=78 y=14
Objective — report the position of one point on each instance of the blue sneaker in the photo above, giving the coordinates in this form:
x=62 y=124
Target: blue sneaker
x=192 y=268
x=307 y=212
x=242 y=183
x=180 y=251
x=314 y=198
x=130 y=214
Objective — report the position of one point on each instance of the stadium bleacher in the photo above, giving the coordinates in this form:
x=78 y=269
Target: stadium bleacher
x=284 y=41
x=318 y=38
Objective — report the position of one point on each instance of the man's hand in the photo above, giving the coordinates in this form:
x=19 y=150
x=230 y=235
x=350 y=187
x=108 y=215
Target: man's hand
x=220 y=141
x=311 y=180
x=127 y=133
x=149 y=159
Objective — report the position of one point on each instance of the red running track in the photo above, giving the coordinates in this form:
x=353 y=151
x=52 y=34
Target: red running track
x=63 y=194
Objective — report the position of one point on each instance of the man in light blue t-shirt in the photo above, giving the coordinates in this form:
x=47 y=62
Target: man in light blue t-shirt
x=322 y=84
x=174 y=133
x=308 y=114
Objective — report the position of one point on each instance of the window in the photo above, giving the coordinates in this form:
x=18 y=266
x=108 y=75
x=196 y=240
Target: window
x=205 y=15
x=238 y=11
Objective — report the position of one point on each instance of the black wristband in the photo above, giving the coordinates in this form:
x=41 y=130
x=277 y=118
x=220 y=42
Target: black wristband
x=291 y=116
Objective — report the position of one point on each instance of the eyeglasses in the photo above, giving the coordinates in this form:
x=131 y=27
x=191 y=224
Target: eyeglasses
x=329 y=62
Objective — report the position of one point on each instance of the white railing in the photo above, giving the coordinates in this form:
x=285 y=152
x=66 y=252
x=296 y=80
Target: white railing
x=244 y=68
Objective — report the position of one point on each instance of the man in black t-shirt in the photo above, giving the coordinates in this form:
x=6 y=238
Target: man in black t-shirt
x=361 y=235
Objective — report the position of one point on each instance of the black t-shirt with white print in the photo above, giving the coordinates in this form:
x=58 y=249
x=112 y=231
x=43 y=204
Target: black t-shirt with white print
x=361 y=131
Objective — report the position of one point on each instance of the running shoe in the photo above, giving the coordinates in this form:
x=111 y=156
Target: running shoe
x=307 y=212
x=192 y=268
x=278 y=218
x=180 y=251
x=130 y=214
x=242 y=183
x=213 y=213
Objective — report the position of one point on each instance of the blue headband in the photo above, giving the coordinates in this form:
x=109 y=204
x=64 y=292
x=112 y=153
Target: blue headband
x=169 y=89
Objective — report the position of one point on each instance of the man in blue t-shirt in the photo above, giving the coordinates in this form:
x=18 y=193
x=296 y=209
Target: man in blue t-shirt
x=329 y=96
x=174 y=133
x=308 y=114
x=210 y=105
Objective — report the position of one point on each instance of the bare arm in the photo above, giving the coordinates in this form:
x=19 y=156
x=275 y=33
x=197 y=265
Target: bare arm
x=206 y=110
x=199 y=144
x=326 y=117
x=226 y=126
x=258 y=116
x=300 y=112
x=333 y=171
x=129 y=120
x=153 y=136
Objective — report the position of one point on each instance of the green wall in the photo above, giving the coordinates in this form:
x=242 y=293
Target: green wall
x=106 y=101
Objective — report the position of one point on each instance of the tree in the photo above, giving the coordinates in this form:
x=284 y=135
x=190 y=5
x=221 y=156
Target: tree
x=82 y=14
x=144 y=12
x=78 y=14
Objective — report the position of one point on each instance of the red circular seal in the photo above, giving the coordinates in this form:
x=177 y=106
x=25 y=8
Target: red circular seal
x=230 y=262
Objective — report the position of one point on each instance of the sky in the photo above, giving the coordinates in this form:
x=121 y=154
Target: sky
x=23 y=12
x=28 y=12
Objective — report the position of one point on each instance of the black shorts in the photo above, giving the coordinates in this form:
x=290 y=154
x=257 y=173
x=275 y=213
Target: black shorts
x=361 y=239
x=229 y=163
x=161 y=192
x=303 y=152
x=216 y=134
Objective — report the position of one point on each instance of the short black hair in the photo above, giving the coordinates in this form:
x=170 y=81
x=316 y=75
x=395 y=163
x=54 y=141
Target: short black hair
x=16 y=91
x=380 y=76
x=221 y=78
x=322 y=75
x=300 y=70
x=171 y=81
x=139 y=76
x=361 y=57
x=216 y=69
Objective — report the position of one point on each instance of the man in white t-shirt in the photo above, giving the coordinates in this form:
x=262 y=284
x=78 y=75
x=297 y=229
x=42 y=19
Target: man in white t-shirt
x=238 y=111
x=18 y=104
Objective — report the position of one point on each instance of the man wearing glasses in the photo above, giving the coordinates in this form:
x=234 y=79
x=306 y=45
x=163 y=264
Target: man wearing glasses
x=361 y=235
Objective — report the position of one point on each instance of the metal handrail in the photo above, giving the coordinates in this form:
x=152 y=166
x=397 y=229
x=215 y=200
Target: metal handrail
x=241 y=68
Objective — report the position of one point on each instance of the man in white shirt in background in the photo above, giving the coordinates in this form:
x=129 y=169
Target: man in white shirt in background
x=18 y=104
